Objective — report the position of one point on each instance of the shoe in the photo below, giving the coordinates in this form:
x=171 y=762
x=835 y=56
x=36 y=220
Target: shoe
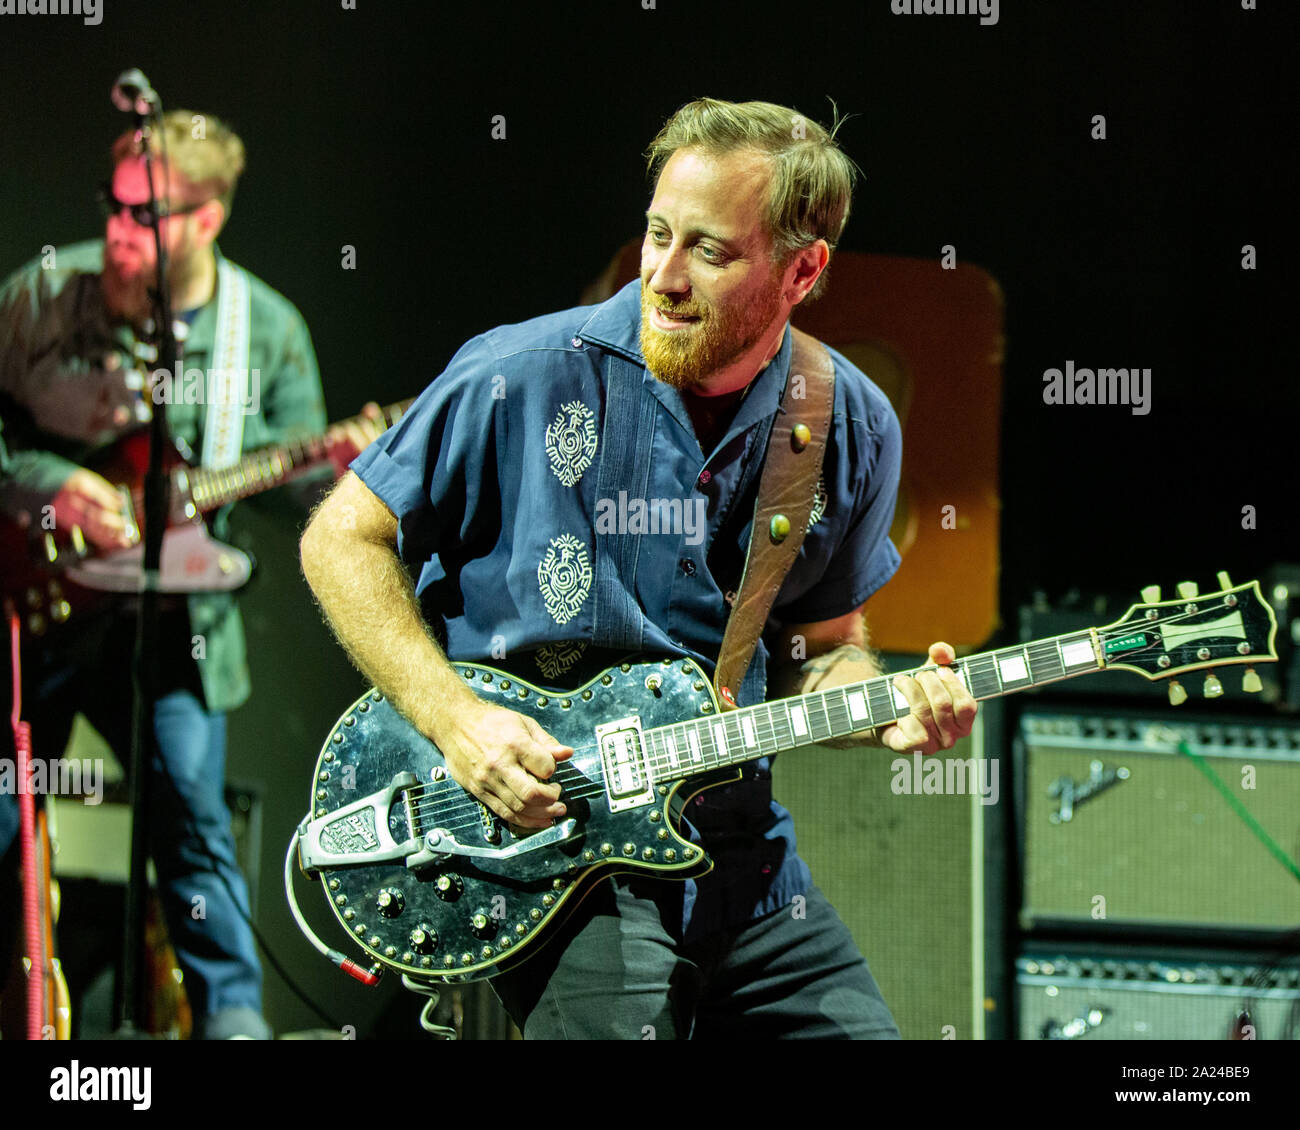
x=240 y=1023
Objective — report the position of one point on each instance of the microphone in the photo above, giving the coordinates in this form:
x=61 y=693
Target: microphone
x=132 y=93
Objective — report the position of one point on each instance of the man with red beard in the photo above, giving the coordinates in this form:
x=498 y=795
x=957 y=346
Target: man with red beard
x=73 y=365
x=498 y=490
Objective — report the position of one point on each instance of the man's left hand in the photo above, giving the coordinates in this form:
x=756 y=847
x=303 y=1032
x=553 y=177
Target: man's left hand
x=943 y=710
x=345 y=441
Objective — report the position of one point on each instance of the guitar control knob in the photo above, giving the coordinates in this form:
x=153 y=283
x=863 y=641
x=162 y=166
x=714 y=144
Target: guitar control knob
x=483 y=925
x=1213 y=688
x=449 y=887
x=1250 y=682
x=391 y=902
x=424 y=938
x=1177 y=695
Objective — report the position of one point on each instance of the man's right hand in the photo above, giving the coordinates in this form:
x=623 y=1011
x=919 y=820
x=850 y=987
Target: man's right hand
x=89 y=500
x=503 y=758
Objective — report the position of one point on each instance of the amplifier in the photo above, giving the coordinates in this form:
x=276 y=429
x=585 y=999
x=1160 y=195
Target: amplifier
x=914 y=872
x=1130 y=997
x=1119 y=828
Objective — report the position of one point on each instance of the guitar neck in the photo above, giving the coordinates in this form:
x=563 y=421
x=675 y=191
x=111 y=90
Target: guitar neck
x=213 y=487
x=686 y=748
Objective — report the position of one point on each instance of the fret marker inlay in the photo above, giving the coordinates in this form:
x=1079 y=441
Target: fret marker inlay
x=1079 y=652
x=857 y=706
x=1013 y=669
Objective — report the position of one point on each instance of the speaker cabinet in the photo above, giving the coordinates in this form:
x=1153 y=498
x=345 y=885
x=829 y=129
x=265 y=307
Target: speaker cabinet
x=1127 y=996
x=1120 y=828
x=912 y=860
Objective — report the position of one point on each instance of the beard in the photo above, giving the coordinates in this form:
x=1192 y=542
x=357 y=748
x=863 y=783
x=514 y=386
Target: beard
x=686 y=358
x=129 y=285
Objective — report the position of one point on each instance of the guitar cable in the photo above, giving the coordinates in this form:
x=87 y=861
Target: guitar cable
x=351 y=968
x=347 y=964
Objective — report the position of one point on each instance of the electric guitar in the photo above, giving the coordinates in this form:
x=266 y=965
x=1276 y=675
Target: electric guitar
x=52 y=574
x=430 y=882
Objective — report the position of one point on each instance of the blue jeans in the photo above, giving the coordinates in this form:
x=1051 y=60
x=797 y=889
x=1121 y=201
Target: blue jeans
x=202 y=891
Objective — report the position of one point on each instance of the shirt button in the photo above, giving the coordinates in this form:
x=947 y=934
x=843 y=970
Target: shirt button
x=705 y=476
x=687 y=566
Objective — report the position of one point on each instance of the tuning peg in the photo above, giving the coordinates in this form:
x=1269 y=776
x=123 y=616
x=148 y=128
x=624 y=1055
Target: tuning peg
x=51 y=550
x=1151 y=594
x=1177 y=696
x=1250 y=682
x=1213 y=688
x=78 y=541
x=1187 y=589
x=1224 y=583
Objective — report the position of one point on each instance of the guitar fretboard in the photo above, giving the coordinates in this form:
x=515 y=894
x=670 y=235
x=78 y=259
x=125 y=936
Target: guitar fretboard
x=267 y=468
x=686 y=748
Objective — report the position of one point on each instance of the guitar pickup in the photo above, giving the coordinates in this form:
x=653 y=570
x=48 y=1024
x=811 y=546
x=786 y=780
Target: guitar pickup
x=622 y=752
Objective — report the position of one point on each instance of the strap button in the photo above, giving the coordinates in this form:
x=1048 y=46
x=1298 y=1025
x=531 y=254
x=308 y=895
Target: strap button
x=687 y=566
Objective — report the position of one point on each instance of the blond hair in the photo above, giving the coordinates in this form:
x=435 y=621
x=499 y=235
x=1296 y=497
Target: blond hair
x=205 y=156
x=812 y=180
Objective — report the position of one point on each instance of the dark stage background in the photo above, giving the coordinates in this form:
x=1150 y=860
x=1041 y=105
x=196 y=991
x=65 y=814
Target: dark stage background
x=372 y=128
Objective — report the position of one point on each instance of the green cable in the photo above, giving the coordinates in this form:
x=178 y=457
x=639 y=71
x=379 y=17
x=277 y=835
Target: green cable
x=1241 y=810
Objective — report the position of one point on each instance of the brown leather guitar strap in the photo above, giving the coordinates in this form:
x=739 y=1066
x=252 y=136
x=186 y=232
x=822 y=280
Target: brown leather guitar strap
x=785 y=502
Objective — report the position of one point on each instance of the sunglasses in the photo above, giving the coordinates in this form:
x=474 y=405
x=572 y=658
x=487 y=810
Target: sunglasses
x=142 y=214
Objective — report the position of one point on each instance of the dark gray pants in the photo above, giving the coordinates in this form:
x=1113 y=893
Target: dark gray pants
x=619 y=969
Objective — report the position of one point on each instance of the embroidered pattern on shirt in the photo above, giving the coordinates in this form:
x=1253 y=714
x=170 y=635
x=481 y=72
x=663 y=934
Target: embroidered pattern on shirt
x=571 y=441
x=820 y=500
x=554 y=659
x=564 y=577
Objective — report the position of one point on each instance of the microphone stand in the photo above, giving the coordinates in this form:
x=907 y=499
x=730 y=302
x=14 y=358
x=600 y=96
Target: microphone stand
x=145 y=661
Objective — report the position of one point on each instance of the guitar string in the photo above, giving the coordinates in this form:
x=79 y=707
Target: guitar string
x=465 y=809
x=207 y=491
x=428 y=793
x=466 y=806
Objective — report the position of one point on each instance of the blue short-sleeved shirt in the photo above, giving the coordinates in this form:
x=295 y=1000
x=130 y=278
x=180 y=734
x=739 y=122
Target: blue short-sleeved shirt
x=544 y=444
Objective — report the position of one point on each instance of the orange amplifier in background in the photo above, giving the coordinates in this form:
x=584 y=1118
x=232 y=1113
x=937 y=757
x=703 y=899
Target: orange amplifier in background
x=932 y=338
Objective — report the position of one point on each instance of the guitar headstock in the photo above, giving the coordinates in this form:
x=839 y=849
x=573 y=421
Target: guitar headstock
x=1196 y=631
